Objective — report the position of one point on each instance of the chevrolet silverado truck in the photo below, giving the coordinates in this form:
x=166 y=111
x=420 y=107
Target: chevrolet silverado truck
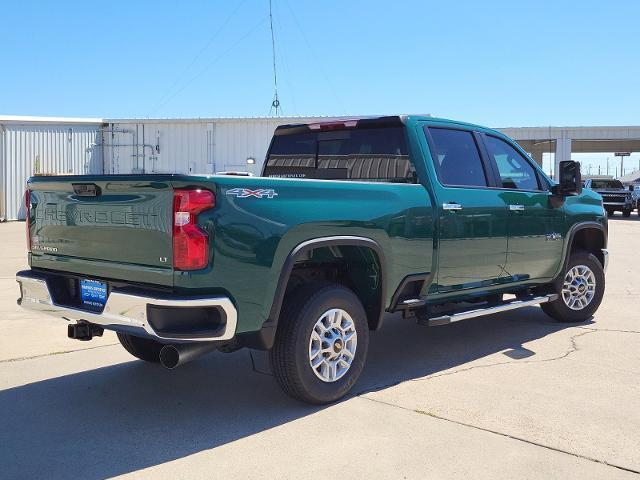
x=440 y=220
x=615 y=197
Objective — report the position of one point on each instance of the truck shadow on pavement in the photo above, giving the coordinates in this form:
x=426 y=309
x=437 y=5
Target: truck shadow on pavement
x=122 y=418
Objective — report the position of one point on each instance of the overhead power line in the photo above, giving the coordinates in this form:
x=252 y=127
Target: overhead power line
x=214 y=61
x=315 y=57
x=197 y=56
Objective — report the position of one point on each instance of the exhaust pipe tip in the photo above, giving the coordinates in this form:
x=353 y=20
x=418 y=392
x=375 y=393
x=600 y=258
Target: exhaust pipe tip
x=172 y=356
x=169 y=357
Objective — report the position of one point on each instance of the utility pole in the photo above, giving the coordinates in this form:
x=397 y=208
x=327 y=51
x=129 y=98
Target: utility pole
x=607 y=166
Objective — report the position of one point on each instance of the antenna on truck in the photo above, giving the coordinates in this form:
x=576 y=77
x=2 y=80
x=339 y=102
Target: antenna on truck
x=275 y=104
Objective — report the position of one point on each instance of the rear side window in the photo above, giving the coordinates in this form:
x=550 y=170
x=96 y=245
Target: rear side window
x=371 y=154
x=457 y=159
x=294 y=151
x=515 y=171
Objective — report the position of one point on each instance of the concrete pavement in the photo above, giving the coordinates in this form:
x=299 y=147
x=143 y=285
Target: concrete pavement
x=512 y=395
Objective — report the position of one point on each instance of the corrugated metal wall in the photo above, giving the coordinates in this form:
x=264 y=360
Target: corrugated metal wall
x=29 y=149
x=236 y=141
x=189 y=146
x=165 y=147
x=40 y=146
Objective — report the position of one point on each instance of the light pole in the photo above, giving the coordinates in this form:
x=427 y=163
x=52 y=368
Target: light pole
x=622 y=155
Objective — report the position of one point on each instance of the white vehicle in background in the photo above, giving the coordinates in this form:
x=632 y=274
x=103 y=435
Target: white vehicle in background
x=635 y=196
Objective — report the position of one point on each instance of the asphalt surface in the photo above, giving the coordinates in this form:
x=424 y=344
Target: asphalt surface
x=506 y=396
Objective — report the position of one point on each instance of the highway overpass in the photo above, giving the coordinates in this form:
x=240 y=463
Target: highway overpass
x=563 y=141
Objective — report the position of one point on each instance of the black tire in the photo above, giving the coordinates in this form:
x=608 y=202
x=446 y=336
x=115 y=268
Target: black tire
x=610 y=212
x=559 y=310
x=626 y=213
x=290 y=354
x=142 y=348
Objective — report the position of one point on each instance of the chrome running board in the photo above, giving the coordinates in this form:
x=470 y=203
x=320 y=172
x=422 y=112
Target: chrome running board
x=479 y=312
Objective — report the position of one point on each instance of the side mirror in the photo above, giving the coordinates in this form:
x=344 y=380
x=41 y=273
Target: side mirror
x=631 y=188
x=569 y=179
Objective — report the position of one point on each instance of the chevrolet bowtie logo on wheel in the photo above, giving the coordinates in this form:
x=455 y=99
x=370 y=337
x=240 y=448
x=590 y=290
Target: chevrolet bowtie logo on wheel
x=246 y=193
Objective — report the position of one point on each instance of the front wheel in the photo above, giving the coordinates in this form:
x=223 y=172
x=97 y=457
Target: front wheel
x=626 y=213
x=321 y=343
x=581 y=290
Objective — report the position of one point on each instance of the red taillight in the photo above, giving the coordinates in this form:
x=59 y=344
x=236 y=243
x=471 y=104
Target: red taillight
x=27 y=203
x=190 y=243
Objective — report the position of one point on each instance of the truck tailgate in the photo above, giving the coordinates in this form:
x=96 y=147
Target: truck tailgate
x=103 y=226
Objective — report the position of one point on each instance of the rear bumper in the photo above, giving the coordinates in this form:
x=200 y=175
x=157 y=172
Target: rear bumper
x=130 y=312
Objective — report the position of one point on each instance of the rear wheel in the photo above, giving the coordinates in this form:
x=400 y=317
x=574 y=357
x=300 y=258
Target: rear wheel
x=581 y=290
x=142 y=348
x=321 y=343
x=626 y=213
x=610 y=212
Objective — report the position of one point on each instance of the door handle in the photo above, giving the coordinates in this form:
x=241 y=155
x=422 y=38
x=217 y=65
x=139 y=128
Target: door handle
x=451 y=206
x=516 y=208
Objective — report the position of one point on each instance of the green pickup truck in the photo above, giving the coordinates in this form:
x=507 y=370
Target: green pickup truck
x=440 y=220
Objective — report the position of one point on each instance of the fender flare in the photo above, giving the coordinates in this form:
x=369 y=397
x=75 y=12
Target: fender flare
x=264 y=338
x=570 y=238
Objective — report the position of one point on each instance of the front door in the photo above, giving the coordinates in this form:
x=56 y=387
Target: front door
x=472 y=229
x=535 y=226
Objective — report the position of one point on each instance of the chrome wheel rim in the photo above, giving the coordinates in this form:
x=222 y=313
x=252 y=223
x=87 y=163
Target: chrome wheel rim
x=579 y=287
x=332 y=346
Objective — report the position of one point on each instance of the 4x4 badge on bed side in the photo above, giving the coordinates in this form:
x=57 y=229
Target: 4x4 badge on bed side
x=246 y=193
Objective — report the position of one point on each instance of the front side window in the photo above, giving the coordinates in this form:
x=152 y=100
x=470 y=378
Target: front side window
x=515 y=171
x=456 y=158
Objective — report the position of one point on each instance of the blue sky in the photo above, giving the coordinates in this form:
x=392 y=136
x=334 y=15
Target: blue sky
x=498 y=63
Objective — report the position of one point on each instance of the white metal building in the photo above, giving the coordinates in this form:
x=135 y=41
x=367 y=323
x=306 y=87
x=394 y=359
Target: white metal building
x=49 y=145
x=206 y=145
x=36 y=145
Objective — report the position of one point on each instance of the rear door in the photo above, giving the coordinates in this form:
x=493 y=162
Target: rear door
x=472 y=237
x=535 y=226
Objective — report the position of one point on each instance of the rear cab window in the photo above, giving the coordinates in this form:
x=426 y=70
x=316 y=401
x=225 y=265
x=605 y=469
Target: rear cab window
x=373 y=154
